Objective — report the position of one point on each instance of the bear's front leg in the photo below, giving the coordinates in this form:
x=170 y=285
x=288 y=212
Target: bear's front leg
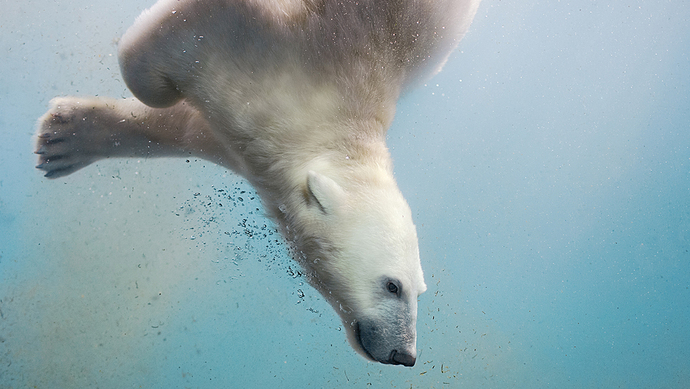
x=78 y=131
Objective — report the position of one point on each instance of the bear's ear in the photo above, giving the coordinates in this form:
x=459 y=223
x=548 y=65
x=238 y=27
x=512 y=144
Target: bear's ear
x=327 y=193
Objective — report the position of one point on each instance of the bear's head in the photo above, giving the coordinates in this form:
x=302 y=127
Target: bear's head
x=359 y=247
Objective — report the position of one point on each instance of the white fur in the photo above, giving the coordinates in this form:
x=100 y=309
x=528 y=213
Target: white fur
x=296 y=96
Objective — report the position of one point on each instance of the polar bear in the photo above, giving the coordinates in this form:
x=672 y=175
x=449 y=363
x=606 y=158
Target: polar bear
x=295 y=96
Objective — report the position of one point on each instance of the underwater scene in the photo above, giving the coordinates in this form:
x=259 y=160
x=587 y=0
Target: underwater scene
x=547 y=168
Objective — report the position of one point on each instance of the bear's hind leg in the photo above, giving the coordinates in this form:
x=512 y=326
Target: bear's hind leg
x=78 y=131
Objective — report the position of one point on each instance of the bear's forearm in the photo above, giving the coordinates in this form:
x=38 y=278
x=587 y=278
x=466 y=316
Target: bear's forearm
x=78 y=131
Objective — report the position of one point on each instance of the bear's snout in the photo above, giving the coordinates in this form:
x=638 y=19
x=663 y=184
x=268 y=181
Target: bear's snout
x=402 y=358
x=393 y=346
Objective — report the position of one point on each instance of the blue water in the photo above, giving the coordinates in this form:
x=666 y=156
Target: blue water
x=548 y=169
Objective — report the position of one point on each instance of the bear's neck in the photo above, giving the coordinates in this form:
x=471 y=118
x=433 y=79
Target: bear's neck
x=356 y=161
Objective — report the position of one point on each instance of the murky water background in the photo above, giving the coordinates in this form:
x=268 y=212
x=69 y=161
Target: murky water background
x=548 y=169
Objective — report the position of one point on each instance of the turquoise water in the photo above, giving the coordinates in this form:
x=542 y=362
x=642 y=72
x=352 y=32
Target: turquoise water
x=548 y=169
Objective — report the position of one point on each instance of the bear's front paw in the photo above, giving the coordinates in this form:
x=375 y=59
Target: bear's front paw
x=65 y=141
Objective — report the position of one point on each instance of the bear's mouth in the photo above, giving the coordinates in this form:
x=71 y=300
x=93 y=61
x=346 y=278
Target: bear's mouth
x=358 y=336
x=394 y=357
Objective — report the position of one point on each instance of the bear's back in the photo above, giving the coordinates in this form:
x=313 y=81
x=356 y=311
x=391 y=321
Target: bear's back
x=363 y=44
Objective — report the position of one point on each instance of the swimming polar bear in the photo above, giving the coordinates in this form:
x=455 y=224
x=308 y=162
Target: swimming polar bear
x=296 y=96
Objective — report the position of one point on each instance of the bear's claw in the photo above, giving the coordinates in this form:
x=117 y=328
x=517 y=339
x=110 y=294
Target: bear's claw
x=63 y=143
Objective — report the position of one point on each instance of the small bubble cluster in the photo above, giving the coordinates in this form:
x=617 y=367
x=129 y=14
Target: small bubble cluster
x=233 y=219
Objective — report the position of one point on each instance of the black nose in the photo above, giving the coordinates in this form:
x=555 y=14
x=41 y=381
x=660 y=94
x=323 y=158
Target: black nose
x=401 y=358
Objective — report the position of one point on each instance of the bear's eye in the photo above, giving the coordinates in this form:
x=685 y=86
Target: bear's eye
x=392 y=287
